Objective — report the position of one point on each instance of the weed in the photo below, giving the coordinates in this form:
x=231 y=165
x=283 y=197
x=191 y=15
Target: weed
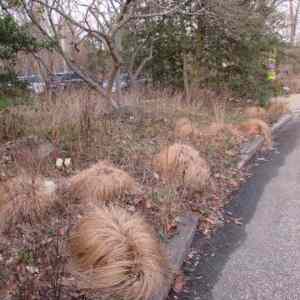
x=4 y=102
x=25 y=256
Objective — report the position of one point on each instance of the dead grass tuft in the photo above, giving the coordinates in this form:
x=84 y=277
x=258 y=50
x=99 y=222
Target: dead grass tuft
x=183 y=164
x=102 y=182
x=25 y=198
x=219 y=108
x=256 y=112
x=257 y=127
x=215 y=129
x=117 y=254
x=276 y=110
x=184 y=128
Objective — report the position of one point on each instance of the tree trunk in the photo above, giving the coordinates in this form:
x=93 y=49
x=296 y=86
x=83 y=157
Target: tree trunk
x=186 y=79
x=294 y=13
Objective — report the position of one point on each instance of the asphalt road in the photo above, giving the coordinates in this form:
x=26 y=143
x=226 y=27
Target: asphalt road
x=259 y=260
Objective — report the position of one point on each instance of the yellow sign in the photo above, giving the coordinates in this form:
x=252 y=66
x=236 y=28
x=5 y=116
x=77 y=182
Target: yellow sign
x=271 y=75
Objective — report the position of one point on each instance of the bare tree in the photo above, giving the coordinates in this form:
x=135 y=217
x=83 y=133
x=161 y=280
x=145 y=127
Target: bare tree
x=294 y=8
x=99 y=20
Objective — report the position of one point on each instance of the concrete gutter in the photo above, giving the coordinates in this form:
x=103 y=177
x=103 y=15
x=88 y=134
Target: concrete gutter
x=179 y=245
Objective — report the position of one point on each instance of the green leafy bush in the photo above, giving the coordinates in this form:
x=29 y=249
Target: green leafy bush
x=227 y=48
x=4 y=102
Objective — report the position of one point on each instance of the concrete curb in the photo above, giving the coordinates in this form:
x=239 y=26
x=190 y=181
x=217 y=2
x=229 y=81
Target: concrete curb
x=250 y=149
x=179 y=246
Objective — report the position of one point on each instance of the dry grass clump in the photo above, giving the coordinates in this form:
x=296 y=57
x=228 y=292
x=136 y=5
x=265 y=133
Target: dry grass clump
x=276 y=110
x=183 y=163
x=25 y=198
x=61 y=117
x=215 y=129
x=117 y=254
x=255 y=112
x=102 y=182
x=185 y=128
x=257 y=127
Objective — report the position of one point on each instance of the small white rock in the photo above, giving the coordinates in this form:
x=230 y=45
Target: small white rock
x=156 y=176
x=59 y=163
x=131 y=208
x=67 y=162
x=32 y=270
x=9 y=261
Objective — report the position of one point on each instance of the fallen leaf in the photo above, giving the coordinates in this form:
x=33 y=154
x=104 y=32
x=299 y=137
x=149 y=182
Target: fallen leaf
x=170 y=227
x=238 y=221
x=179 y=283
x=148 y=204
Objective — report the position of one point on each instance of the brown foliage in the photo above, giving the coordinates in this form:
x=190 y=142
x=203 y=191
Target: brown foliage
x=117 y=254
x=255 y=112
x=102 y=182
x=276 y=110
x=215 y=129
x=25 y=198
x=184 y=128
x=182 y=163
x=257 y=127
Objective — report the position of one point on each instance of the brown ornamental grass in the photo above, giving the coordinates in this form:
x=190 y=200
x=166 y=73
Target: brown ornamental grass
x=182 y=164
x=276 y=110
x=117 y=254
x=102 y=181
x=255 y=112
x=257 y=127
x=184 y=128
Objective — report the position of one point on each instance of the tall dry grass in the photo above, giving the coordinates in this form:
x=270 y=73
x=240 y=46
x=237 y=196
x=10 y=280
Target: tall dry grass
x=219 y=103
x=25 y=198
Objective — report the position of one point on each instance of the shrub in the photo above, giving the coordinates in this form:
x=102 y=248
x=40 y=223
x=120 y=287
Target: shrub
x=276 y=110
x=116 y=253
x=184 y=128
x=102 y=182
x=256 y=126
x=255 y=112
x=183 y=164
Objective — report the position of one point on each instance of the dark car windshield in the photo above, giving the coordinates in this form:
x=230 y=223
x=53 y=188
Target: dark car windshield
x=65 y=76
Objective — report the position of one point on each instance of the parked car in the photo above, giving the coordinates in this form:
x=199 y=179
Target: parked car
x=33 y=82
x=124 y=82
x=64 y=79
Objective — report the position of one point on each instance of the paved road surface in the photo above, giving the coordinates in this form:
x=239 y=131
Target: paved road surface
x=261 y=259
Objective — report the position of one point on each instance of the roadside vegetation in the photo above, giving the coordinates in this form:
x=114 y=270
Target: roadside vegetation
x=94 y=176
